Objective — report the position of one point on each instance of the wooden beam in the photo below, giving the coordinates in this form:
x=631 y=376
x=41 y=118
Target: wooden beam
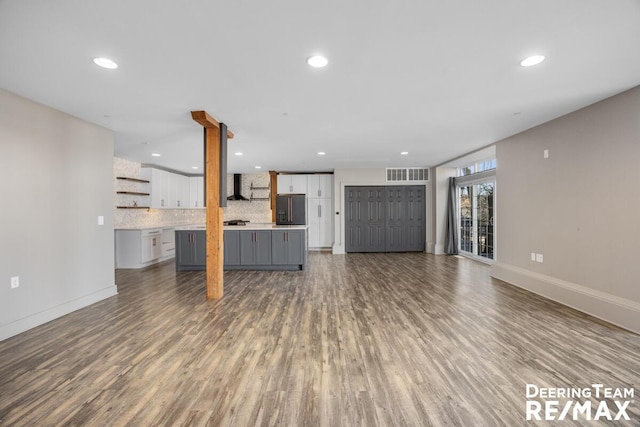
x=213 y=165
x=207 y=121
x=214 y=221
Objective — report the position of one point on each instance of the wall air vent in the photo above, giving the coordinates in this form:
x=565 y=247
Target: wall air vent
x=407 y=174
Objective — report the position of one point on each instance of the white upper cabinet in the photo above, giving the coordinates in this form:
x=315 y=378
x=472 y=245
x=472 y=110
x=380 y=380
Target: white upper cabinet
x=320 y=186
x=196 y=192
x=168 y=190
x=178 y=191
x=292 y=184
x=159 y=180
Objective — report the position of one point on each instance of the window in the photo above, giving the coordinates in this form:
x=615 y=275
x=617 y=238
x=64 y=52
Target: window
x=477 y=167
x=486 y=165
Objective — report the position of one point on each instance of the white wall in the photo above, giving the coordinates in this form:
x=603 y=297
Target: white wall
x=55 y=180
x=578 y=208
x=365 y=176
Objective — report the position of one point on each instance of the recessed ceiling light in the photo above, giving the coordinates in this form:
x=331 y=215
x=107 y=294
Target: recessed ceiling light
x=238 y=153
x=532 y=60
x=105 y=63
x=404 y=153
x=317 y=61
x=195 y=167
x=321 y=153
x=155 y=155
x=258 y=167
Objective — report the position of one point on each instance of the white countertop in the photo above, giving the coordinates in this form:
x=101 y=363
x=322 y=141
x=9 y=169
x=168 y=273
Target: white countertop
x=153 y=227
x=268 y=226
x=248 y=226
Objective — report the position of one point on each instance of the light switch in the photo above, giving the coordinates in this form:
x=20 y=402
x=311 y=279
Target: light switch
x=539 y=258
x=545 y=153
x=101 y=220
x=533 y=256
x=15 y=282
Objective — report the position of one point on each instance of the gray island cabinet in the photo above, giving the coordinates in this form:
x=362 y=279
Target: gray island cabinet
x=267 y=247
x=191 y=250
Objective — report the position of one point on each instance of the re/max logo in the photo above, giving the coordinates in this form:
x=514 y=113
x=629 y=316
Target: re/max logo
x=550 y=411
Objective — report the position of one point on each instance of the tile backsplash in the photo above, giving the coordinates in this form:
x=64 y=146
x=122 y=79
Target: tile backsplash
x=255 y=211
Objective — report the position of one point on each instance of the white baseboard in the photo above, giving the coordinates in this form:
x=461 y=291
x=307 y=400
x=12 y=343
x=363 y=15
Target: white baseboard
x=610 y=308
x=438 y=248
x=37 y=319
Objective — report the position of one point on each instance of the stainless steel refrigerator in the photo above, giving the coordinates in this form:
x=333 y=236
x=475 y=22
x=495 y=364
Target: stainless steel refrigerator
x=291 y=209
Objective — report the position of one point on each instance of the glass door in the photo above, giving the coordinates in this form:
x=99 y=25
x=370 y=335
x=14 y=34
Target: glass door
x=484 y=219
x=476 y=210
x=466 y=218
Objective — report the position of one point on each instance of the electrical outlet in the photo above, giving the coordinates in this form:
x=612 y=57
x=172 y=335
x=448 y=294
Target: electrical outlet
x=545 y=154
x=539 y=258
x=533 y=256
x=101 y=220
x=15 y=282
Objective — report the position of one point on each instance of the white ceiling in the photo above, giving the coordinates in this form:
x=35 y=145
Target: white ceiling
x=435 y=78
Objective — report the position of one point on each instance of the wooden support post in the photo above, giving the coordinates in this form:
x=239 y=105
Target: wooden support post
x=215 y=230
x=214 y=221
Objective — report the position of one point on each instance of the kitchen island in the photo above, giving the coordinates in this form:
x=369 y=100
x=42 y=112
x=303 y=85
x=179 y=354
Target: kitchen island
x=246 y=247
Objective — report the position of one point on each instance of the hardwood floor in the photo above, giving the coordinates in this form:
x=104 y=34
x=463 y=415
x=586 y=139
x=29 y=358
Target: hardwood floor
x=359 y=339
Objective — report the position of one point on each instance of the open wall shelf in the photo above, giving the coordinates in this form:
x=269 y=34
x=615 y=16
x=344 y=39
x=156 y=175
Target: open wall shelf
x=135 y=193
x=126 y=178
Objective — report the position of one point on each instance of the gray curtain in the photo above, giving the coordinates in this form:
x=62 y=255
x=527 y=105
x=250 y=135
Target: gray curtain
x=451 y=232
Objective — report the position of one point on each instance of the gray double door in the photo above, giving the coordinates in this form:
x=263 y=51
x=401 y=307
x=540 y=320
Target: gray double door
x=385 y=218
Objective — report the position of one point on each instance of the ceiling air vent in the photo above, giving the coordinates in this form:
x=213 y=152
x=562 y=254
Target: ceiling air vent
x=407 y=174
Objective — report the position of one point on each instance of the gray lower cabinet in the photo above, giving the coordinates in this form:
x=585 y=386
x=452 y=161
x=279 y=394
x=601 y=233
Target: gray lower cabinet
x=245 y=249
x=231 y=247
x=255 y=247
x=191 y=250
x=288 y=247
